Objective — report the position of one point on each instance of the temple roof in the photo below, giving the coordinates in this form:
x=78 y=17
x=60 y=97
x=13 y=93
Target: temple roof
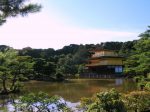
x=98 y=49
x=102 y=57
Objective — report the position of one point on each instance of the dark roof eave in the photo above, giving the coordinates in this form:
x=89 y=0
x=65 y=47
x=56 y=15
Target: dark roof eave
x=102 y=65
x=108 y=57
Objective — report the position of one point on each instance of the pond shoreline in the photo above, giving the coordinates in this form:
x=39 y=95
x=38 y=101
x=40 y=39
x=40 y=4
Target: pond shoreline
x=73 y=90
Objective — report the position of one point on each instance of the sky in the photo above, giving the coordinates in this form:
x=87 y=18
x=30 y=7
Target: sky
x=64 y=22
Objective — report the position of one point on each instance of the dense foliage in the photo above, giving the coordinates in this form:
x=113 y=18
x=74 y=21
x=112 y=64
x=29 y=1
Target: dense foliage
x=138 y=63
x=13 y=69
x=112 y=101
x=40 y=102
x=48 y=63
x=68 y=62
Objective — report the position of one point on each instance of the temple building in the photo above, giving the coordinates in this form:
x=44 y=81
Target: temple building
x=105 y=63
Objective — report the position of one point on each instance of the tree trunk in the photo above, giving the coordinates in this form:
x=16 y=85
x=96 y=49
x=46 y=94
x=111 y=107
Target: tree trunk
x=14 y=80
x=13 y=83
x=4 y=90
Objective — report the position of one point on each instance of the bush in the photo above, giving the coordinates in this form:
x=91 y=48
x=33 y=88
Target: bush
x=77 y=76
x=109 y=101
x=139 y=78
x=40 y=102
x=112 y=101
x=141 y=85
x=148 y=75
x=59 y=77
x=137 y=101
x=147 y=86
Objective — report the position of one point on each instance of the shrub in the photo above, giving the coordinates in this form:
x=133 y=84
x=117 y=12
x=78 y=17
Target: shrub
x=137 y=101
x=109 y=101
x=40 y=102
x=59 y=77
x=147 y=86
x=112 y=101
x=77 y=76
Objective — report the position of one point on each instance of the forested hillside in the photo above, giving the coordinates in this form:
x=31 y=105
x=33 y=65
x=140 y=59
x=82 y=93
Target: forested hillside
x=50 y=64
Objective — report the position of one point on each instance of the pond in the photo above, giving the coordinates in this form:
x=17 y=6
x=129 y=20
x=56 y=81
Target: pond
x=73 y=90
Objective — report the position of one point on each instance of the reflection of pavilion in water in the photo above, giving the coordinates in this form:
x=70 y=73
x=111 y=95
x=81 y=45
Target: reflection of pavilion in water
x=118 y=82
x=104 y=64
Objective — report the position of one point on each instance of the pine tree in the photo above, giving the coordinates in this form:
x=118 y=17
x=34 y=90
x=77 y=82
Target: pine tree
x=13 y=8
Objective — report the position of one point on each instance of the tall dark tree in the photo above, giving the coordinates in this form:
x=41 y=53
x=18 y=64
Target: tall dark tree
x=5 y=59
x=66 y=66
x=12 y=8
x=44 y=70
x=20 y=69
x=13 y=69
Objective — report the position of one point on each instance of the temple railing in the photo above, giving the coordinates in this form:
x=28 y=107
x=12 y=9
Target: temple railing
x=100 y=76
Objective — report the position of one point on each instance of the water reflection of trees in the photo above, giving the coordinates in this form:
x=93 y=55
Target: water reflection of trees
x=7 y=99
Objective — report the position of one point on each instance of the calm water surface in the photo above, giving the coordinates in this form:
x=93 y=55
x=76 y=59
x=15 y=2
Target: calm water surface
x=73 y=90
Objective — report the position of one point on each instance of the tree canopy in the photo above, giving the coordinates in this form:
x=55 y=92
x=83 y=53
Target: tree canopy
x=13 y=8
x=139 y=62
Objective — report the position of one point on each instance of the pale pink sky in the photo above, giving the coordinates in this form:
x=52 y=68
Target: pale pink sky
x=49 y=29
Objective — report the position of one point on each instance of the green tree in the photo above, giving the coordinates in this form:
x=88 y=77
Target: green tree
x=105 y=102
x=12 y=8
x=127 y=48
x=4 y=75
x=44 y=70
x=139 y=62
x=20 y=69
x=111 y=101
x=81 y=69
x=13 y=69
x=116 y=46
x=81 y=56
x=59 y=76
x=66 y=66
x=6 y=58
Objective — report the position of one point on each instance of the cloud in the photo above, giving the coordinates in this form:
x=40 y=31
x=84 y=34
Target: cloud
x=49 y=30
